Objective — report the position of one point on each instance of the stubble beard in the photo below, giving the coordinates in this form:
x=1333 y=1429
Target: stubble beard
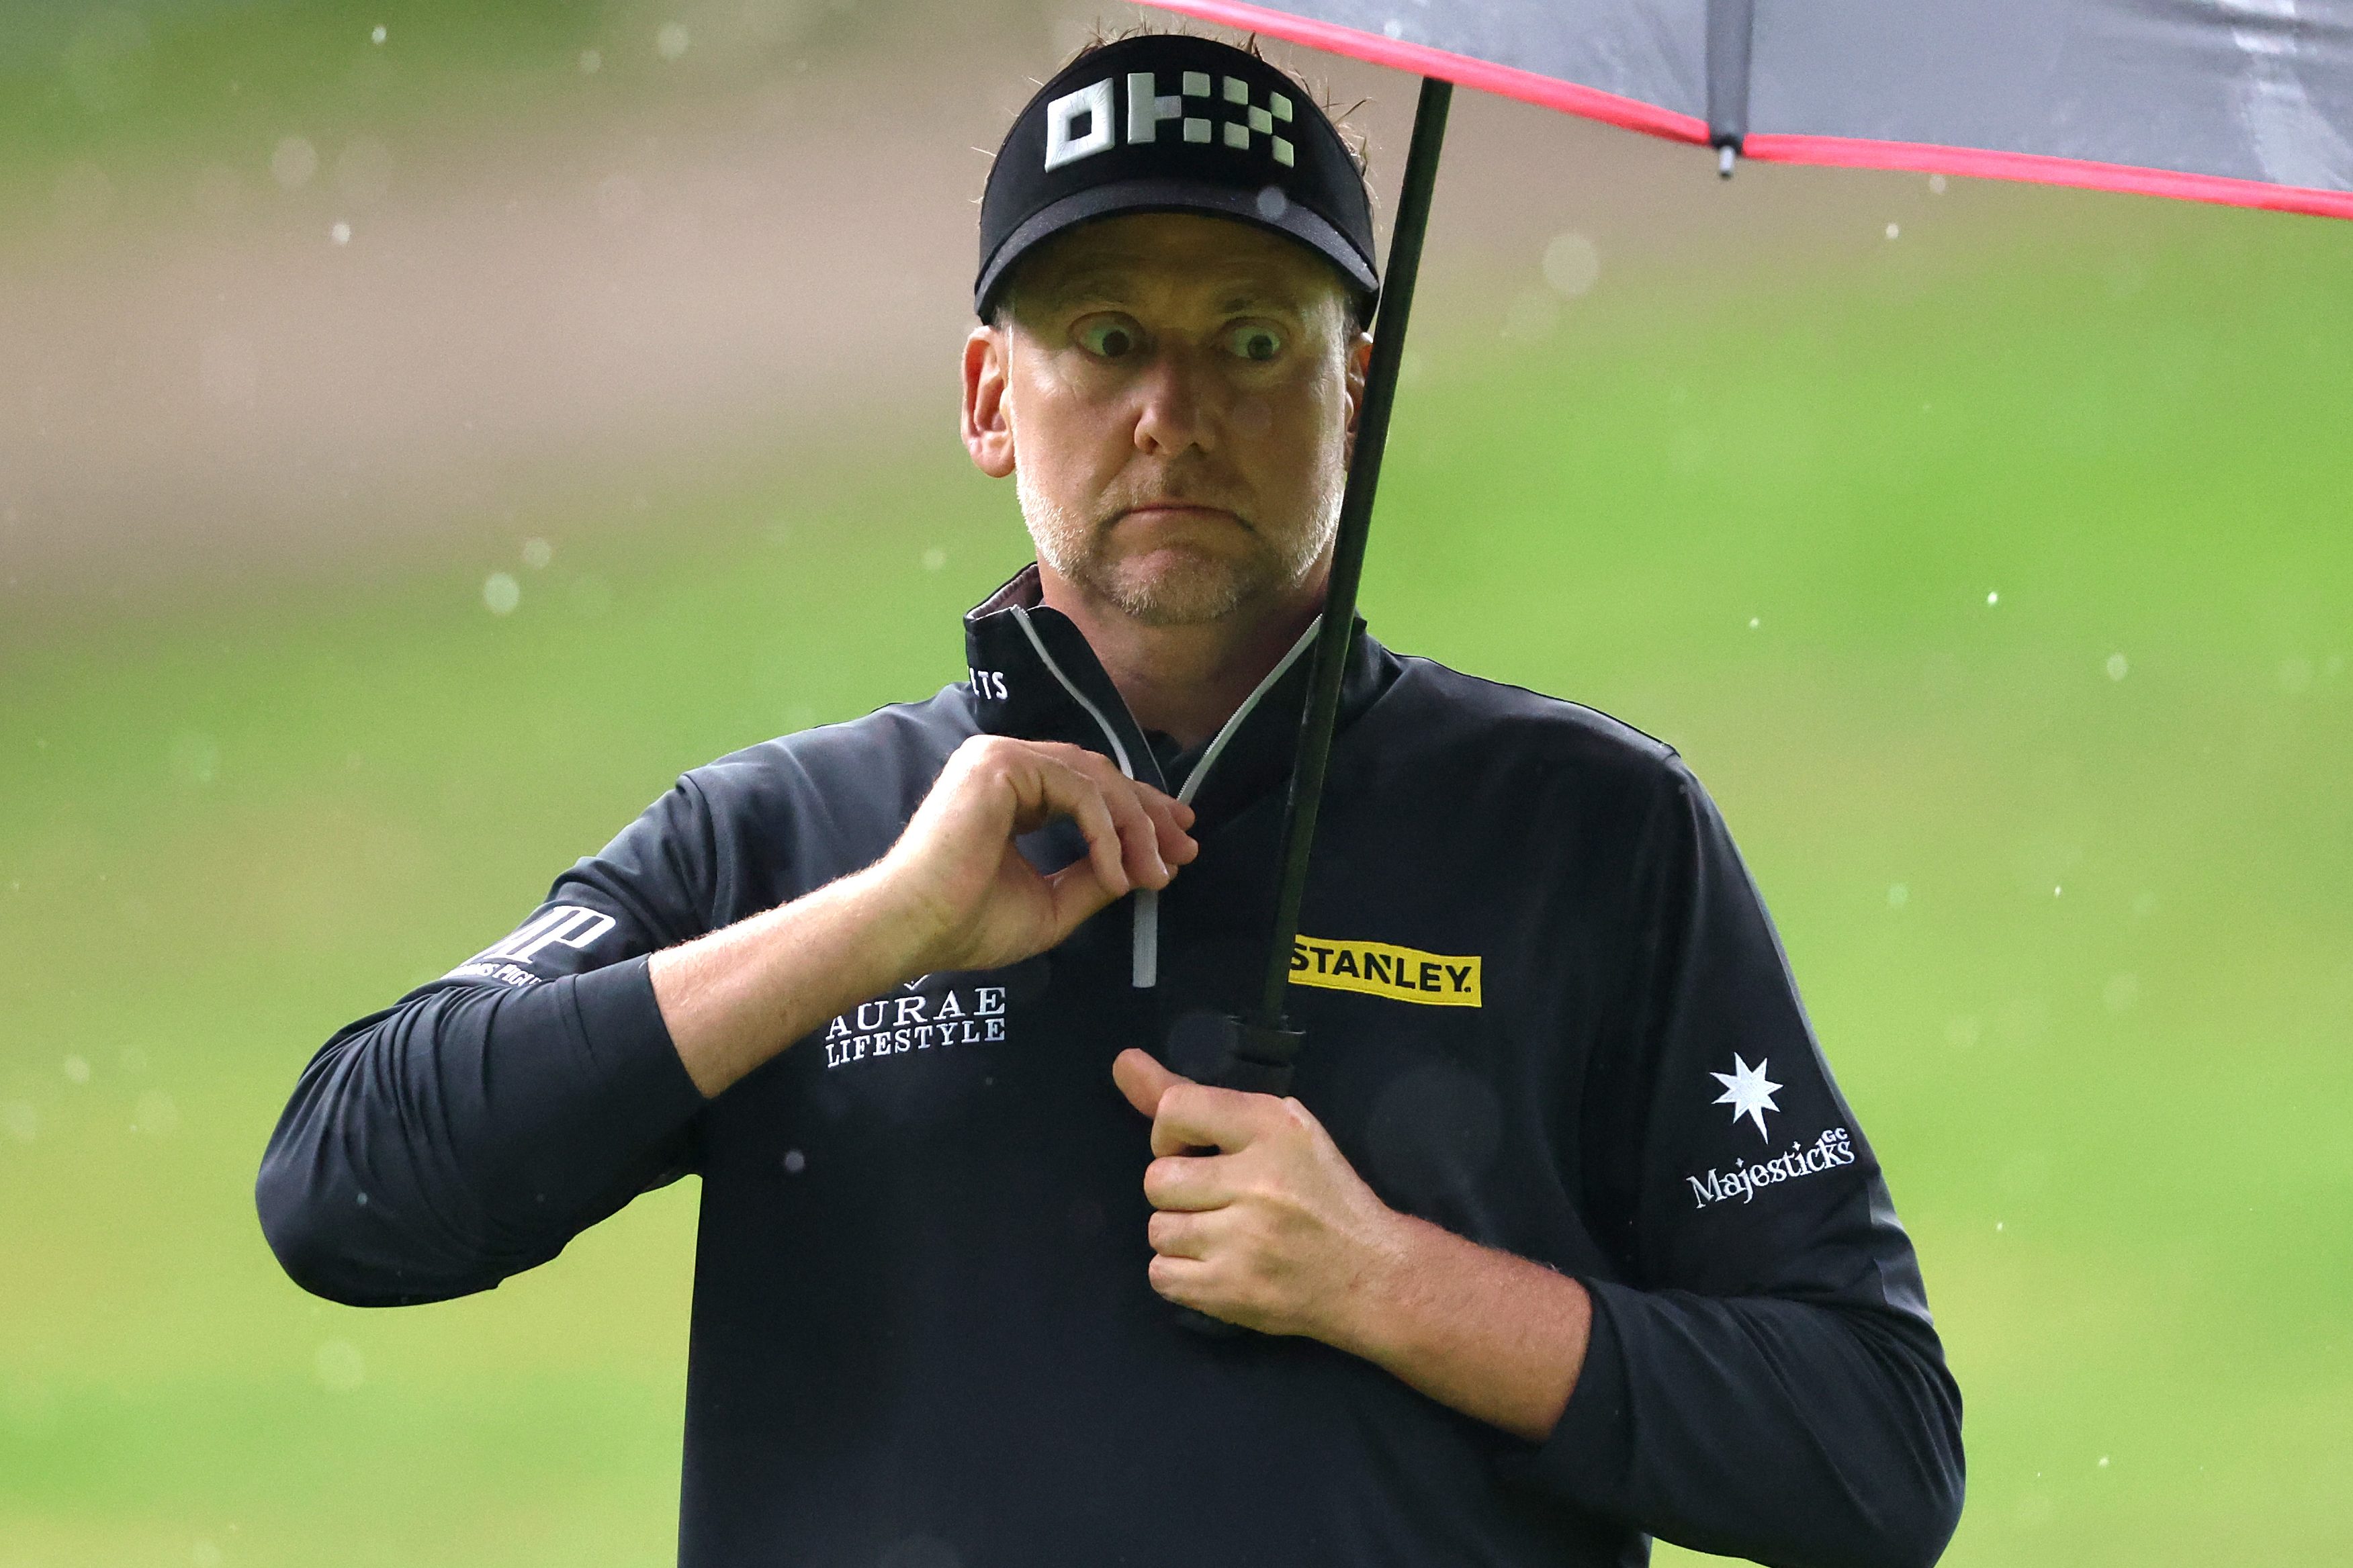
x=1182 y=588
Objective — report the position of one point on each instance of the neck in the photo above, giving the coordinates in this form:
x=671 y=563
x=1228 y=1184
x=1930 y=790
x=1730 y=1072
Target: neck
x=1184 y=680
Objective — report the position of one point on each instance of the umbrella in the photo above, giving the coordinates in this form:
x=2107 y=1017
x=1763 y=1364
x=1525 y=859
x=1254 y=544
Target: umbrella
x=2247 y=103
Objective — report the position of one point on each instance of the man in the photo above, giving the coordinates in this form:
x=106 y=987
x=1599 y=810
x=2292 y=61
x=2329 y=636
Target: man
x=1567 y=1236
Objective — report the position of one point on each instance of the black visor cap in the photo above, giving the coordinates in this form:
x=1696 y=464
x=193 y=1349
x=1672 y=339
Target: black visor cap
x=1163 y=123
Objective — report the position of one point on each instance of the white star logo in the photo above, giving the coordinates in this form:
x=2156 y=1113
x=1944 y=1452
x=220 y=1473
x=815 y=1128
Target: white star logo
x=1747 y=1090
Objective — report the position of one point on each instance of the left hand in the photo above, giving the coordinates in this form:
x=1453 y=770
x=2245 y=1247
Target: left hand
x=1261 y=1221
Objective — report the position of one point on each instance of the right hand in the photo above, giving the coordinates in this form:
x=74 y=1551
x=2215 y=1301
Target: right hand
x=975 y=902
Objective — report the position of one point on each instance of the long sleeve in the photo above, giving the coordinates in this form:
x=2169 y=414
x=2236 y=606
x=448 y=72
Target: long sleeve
x=1765 y=1381
x=471 y=1130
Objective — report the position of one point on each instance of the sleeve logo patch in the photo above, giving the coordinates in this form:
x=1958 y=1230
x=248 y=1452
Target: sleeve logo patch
x=1382 y=969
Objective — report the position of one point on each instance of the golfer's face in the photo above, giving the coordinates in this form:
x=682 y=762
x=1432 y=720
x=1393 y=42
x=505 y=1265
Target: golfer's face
x=1180 y=394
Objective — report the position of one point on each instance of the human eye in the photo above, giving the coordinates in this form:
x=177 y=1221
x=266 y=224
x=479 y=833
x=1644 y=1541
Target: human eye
x=1107 y=335
x=1254 y=341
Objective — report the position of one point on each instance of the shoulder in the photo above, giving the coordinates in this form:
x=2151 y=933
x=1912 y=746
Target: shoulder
x=876 y=766
x=1434 y=714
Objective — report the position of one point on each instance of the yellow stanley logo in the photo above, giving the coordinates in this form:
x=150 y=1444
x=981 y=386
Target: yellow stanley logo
x=1379 y=969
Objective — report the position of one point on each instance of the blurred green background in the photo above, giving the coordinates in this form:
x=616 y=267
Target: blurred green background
x=1985 y=549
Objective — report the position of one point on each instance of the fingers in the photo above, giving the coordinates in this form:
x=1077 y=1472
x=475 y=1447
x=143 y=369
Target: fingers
x=1136 y=838
x=1195 y=1116
x=1189 y=1184
x=1143 y=1079
x=1176 y=1234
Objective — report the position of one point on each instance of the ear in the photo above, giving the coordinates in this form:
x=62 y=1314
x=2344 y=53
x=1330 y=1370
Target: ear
x=987 y=420
x=1359 y=351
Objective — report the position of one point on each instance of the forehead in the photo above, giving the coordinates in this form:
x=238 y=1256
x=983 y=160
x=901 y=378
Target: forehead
x=1178 y=256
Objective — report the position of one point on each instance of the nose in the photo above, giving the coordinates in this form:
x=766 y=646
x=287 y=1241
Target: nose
x=1177 y=404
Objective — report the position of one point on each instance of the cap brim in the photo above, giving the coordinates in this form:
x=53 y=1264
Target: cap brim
x=1169 y=195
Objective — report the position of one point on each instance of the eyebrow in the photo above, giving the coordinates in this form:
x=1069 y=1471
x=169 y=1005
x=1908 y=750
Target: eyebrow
x=1101 y=283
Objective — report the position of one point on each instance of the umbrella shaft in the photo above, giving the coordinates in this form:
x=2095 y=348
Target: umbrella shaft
x=1338 y=630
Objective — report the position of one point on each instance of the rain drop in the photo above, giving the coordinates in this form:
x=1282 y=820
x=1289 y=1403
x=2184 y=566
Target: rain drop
x=1935 y=185
x=339 y=1366
x=537 y=553
x=672 y=41
x=376 y=37
x=1754 y=622
x=1898 y=895
x=1572 y=265
x=2104 y=1461
x=156 y=1113
x=500 y=594
x=22 y=1119
x=794 y=1161
x=934 y=557
x=77 y=1070
x=2056 y=891
x=2118 y=667
x=207 y=1555
x=1997 y=1225
x=293 y=162
x=1893 y=230
x=341 y=234
x=1271 y=203
x=2121 y=992
x=590 y=61
x=1993 y=598
x=2296 y=674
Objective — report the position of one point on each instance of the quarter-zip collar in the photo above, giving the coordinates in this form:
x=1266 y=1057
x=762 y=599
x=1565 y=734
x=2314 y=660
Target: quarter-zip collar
x=1034 y=676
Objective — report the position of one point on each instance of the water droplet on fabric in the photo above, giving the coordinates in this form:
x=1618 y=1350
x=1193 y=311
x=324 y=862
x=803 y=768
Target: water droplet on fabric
x=921 y=1551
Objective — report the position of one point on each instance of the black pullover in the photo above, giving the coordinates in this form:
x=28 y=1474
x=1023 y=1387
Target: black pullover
x=1545 y=1009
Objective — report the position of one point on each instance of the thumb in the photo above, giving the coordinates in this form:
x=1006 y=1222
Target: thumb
x=1143 y=1079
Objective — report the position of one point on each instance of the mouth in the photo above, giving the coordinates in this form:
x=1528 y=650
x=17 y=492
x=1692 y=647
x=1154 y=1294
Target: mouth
x=1172 y=513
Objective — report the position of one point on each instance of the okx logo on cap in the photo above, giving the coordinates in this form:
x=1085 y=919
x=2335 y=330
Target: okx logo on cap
x=1174 y=124
x=1082 y=123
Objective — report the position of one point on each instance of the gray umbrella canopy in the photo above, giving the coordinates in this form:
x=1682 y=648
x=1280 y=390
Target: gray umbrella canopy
x=2243 y=102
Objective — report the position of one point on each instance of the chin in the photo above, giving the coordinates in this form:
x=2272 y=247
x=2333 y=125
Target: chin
x=1188 y=592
